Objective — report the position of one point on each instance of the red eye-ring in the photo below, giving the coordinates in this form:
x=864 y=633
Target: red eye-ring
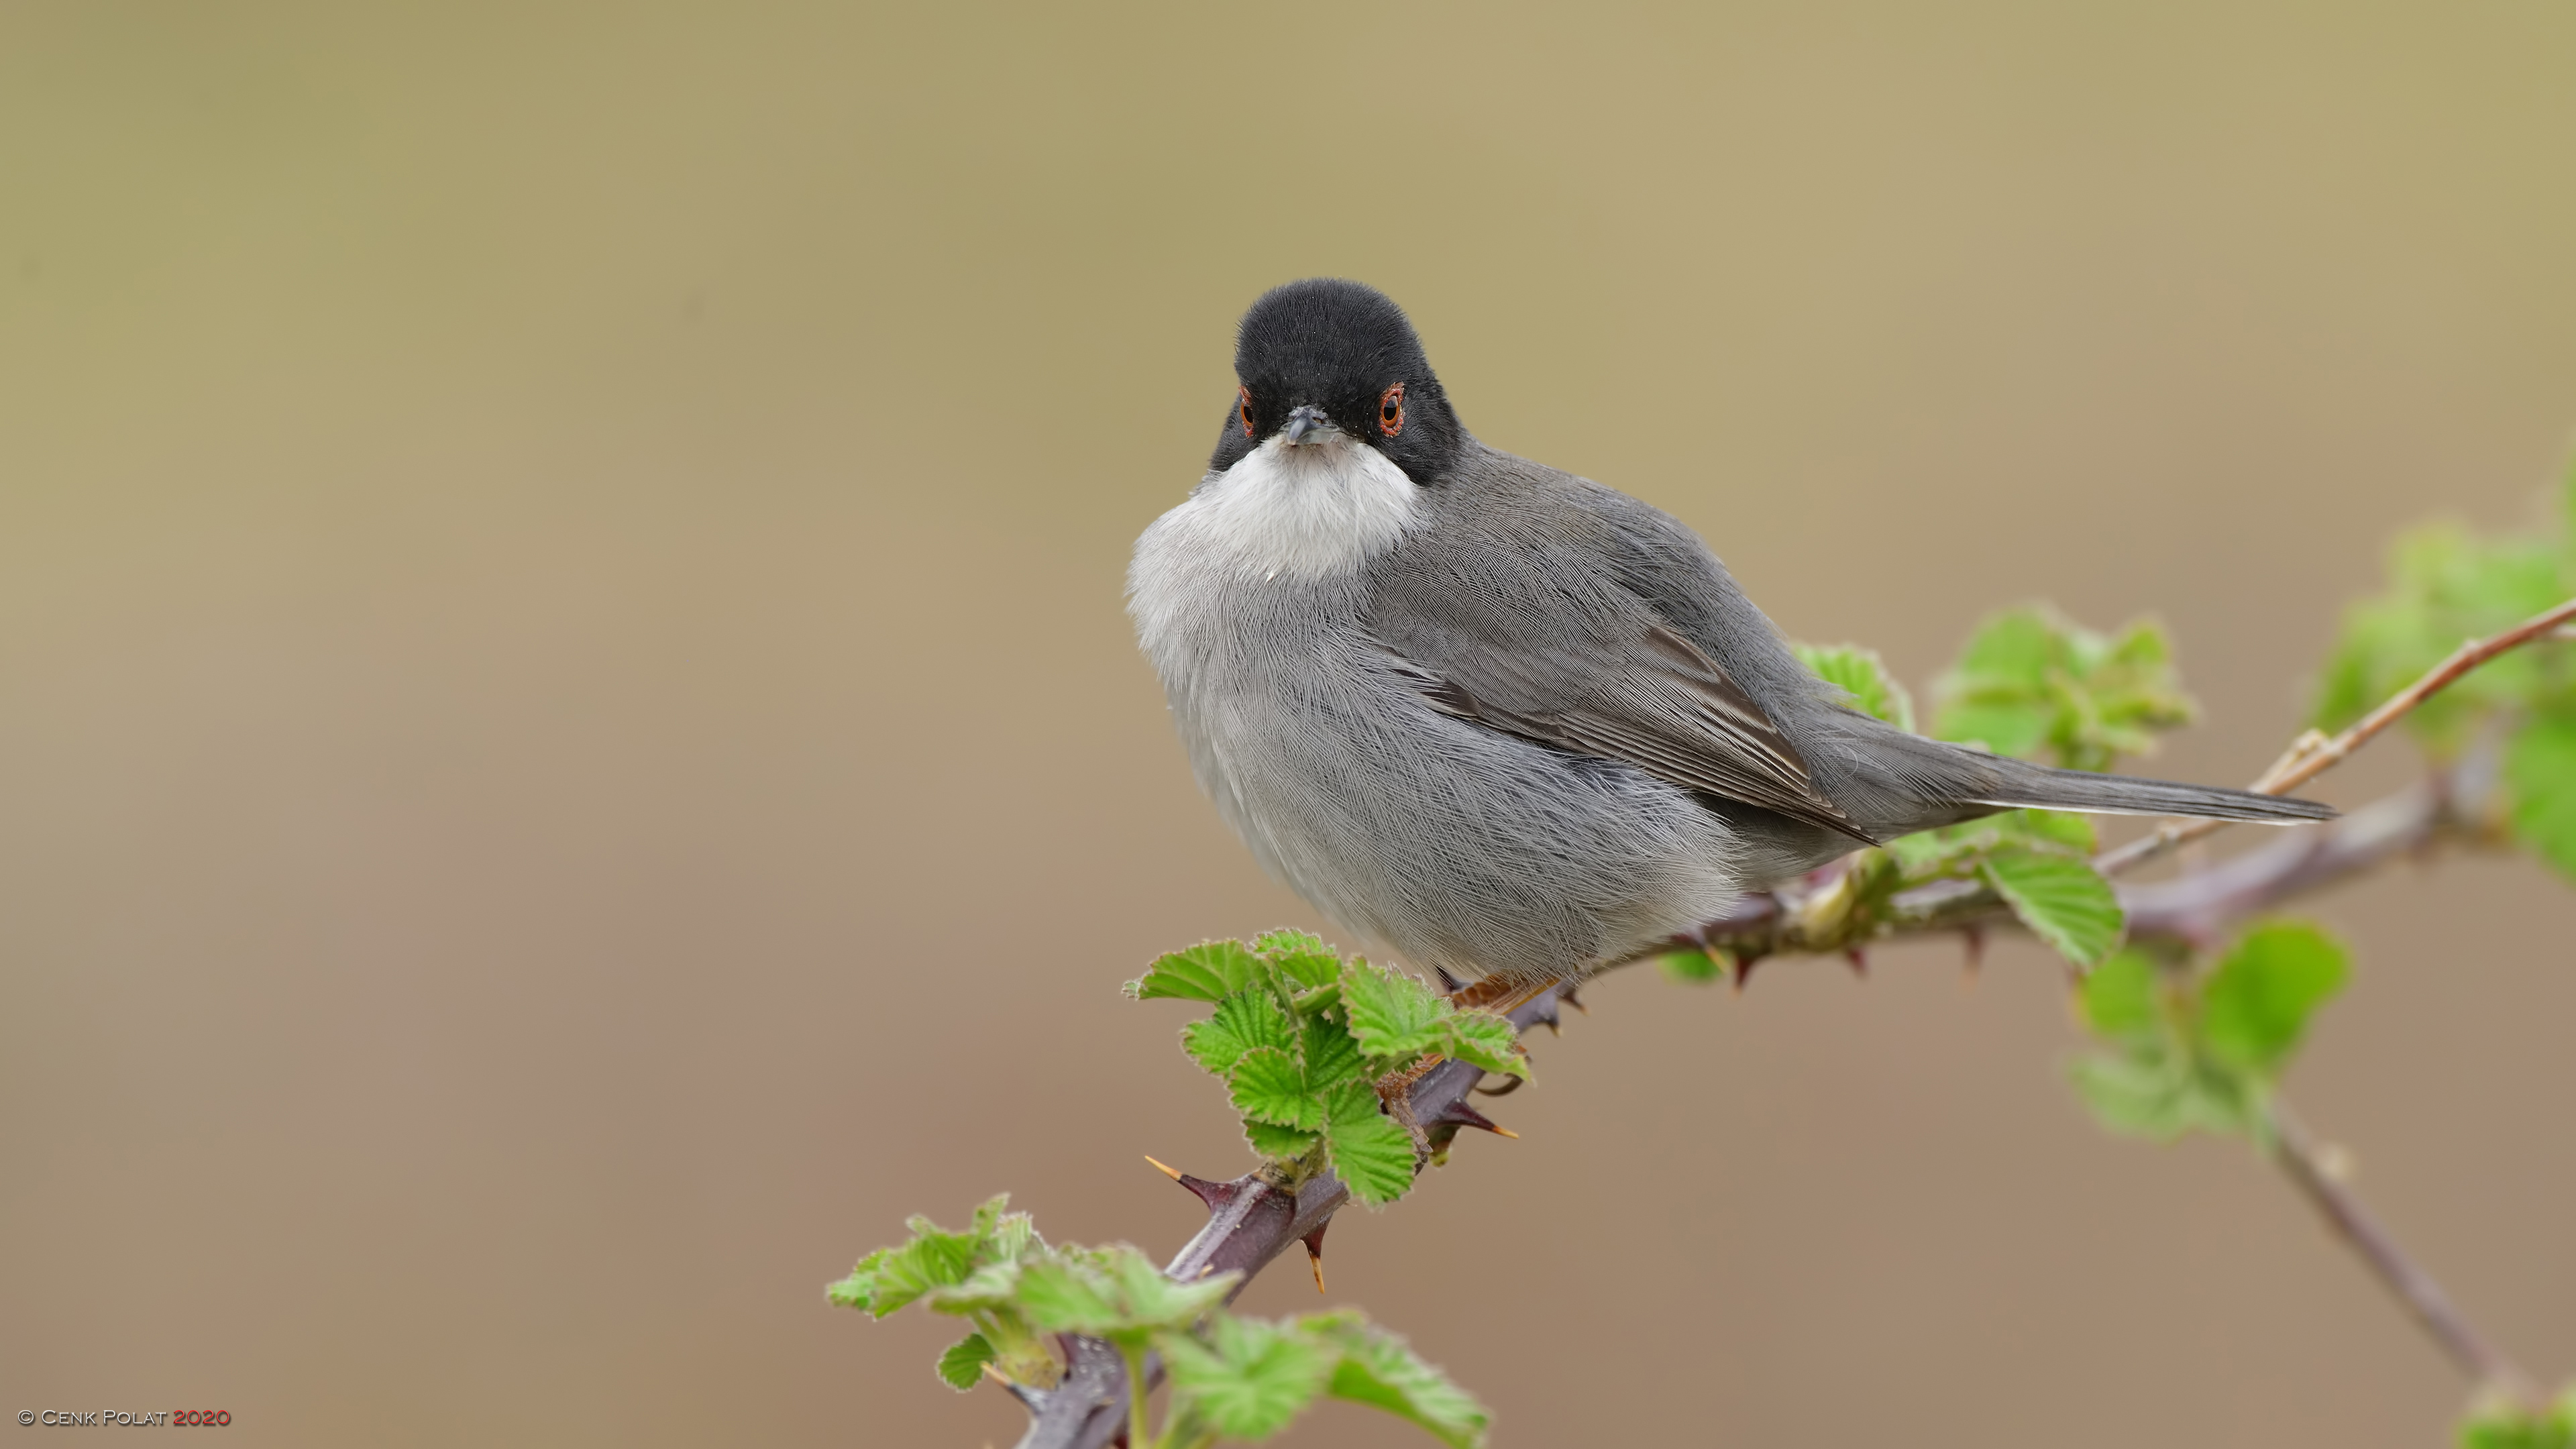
x=1390 y=411
x=1243 y=408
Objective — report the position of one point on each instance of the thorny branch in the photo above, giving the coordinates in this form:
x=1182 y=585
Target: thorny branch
x=1252 y=1220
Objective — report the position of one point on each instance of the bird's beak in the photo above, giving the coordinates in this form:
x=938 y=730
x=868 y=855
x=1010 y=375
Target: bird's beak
x=1305 y=420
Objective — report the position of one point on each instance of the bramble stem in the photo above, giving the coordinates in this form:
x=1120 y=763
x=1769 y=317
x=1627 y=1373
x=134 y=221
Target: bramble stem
x=2401 y=1275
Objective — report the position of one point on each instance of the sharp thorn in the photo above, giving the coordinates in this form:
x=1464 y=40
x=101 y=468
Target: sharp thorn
x=1744 y=972
x=1315 y=1253
x=1033 y=1400
x=1509 y=1086
x=1566 y=995
x=1211 y=1195
x=1459 y=1114
x=1859 y=960
x=1449 y=985
x=1164 y=1168
x=1549 y=1021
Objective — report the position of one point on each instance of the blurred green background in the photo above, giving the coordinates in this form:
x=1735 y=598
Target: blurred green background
x=569 y=751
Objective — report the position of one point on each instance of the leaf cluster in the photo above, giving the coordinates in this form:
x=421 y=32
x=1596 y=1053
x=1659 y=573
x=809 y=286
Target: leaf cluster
x=1232 y=1377
x=2447 y=585
x=2185 y=1048
x=2031 y=683
x=1303 y=1038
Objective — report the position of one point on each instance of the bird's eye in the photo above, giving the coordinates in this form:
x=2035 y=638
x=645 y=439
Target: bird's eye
x=1243 y=408
x=1390 y=411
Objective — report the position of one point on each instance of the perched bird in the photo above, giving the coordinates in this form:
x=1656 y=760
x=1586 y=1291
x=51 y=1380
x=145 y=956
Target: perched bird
x=1507 y=722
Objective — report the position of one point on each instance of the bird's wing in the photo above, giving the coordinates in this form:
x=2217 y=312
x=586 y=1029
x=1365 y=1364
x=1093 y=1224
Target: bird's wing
x=1567 y=654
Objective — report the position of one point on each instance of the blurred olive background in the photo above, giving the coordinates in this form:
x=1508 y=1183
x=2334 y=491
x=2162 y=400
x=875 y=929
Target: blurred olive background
x=569 y=752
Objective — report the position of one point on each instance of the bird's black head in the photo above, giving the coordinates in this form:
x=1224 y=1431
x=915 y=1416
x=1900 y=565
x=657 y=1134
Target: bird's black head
x=1324 y=354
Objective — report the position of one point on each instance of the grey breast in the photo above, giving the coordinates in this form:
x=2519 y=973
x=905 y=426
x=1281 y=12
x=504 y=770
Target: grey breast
x=1458 y=845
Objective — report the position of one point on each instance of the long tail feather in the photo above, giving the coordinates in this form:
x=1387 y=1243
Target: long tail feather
x=2025 y=785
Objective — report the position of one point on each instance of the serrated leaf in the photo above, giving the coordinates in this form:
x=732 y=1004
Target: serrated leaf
x=1332 y=1055
x=1381 y=1370
x=1864 y=676
x=1267 y=1086
x=1278 y=1142
x=889 y=1278
x=1249 y=1018
x=1113 y=1292
x=1303 y=959
x=1246 y=1379
x=1486 y=1041
x=987 y=1288
x=1209 y=971
x=2063 y=901
x=962 y=1366
x=1390 y=1013
x=2256 y=1005
x=2120 y=998
x=2540 y=769
x=1372 y=1155
x=856 y=1290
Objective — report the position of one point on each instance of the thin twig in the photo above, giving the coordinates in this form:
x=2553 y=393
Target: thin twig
x=2312 y=754
x=2423 y=1298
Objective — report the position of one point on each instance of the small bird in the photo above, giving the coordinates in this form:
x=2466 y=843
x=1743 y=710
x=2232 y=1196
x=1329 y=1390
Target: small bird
x=1509 y=723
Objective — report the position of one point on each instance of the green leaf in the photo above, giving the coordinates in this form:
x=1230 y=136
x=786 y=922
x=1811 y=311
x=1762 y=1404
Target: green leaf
x=1267 y=1086
x=2158 y=1090
x=1305 y=960
x=1391 y=1014
x=2256 y=1004
x=1332 y=1055
x=2498 y=1422
x=2447 y=586
x=1278 y=1142
x=1209 y=971
x=1694 y=968
x=2120 y=998
x=1864 y=676
x=1380 y=1370
x=1373 y=1155
x=1484 y=1040
x=897 y=1276
x=2060 y=828
x=992 y=1286
x=1247 y=1019
x=962 y=1366
x=1113 y=1292
x=2540 y=768
x=1247 y=1378
x=2030 y=682
x=2065 y=902
x=860 y=1288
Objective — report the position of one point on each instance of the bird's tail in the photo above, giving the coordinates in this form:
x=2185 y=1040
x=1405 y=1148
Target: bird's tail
x=2020 y=785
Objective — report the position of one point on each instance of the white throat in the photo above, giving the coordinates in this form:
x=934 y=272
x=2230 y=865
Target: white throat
x=1305 y=511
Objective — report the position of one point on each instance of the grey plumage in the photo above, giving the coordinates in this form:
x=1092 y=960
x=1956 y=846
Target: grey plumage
x=1496 y=717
